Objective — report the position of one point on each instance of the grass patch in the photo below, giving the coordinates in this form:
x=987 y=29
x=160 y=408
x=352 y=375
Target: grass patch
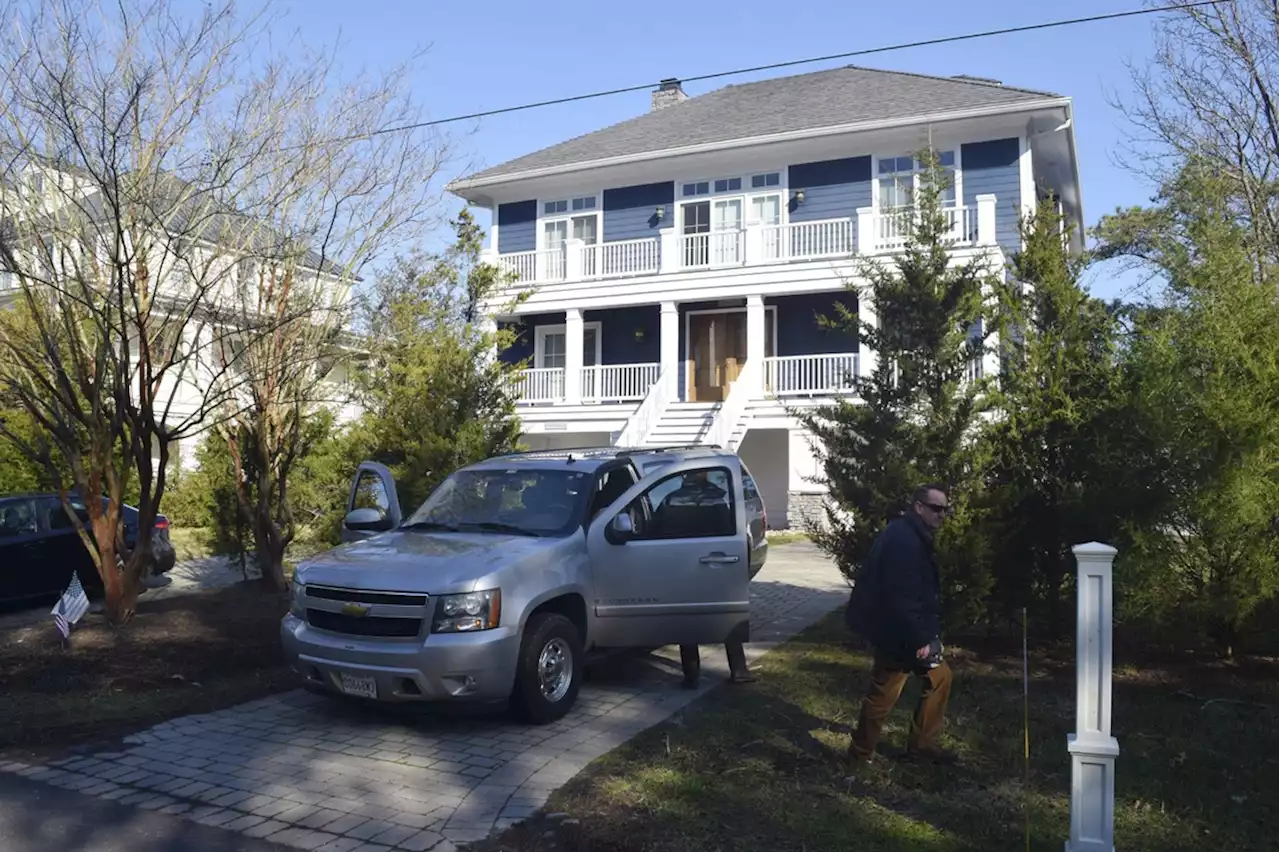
x=187 y=654
x=786 y=536
x=760 y=767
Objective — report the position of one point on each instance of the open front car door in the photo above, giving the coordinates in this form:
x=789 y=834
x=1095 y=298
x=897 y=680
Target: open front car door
x=670 y=562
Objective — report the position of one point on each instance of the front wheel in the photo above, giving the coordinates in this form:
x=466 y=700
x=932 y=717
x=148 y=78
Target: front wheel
x=549 y=672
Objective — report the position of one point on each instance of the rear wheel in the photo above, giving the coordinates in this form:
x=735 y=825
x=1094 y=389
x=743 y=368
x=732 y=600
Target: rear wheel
x=549 y=672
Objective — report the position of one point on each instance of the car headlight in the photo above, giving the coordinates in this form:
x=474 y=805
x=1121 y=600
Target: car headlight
x=467 y=613
x=296 y=592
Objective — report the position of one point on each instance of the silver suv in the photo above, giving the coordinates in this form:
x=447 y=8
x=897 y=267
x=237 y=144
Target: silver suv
x=515 y=568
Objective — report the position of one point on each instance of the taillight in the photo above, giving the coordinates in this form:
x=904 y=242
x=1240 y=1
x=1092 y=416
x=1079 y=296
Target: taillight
x=162 y=525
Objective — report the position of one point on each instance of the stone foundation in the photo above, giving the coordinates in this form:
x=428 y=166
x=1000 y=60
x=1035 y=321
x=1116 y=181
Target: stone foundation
x=803 y=506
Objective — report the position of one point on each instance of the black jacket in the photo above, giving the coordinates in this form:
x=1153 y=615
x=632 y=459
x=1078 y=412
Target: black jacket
x=894 y=604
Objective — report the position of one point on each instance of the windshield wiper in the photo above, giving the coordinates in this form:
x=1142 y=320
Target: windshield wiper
x=493 y=526
x=429 y=525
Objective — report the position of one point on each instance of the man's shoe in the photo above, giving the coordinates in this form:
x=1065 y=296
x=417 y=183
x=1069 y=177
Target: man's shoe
x=933 y=754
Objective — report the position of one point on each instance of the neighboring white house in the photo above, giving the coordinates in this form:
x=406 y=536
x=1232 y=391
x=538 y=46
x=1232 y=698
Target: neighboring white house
x=190 y=255
x=677 y=260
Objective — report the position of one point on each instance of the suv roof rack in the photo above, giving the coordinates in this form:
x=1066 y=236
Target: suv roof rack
x=573 y=453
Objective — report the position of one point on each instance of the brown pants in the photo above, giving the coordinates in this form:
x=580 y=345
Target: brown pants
x=887 y=679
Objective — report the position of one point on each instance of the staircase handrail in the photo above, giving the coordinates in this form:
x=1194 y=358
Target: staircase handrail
x=741 y=392
x=648 y=413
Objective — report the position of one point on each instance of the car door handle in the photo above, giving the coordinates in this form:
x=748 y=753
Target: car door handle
x=717 y=559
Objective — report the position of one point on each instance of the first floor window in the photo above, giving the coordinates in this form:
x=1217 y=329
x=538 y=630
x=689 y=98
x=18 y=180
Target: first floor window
x=552 y=343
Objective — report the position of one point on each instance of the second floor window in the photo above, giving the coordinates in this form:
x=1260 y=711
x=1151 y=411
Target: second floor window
x=899 y=177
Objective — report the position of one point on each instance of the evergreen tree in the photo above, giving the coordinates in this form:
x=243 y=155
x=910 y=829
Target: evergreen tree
x=913 y=417
x=1203 y=370
x=1051 y=475
x=436 y=396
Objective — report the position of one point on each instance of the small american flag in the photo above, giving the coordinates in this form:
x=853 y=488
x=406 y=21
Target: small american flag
x=71 y=607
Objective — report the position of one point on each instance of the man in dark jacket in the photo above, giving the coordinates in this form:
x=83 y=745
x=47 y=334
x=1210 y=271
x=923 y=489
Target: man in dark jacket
x=894 y=606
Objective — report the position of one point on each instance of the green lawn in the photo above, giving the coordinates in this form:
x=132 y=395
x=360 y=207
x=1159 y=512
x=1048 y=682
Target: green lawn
x=759 y=767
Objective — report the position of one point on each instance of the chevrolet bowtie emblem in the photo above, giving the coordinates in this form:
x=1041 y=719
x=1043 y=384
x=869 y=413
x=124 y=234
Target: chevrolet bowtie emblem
x=355 y=609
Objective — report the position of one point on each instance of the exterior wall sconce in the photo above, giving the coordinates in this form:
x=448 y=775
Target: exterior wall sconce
x=799 y=196
x=660 y=213
x=639 y=335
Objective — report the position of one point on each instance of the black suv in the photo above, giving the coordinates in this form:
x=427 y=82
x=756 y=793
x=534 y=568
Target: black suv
x=39 y=547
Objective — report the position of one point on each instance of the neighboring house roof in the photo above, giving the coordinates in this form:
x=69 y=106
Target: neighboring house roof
x=833 y=98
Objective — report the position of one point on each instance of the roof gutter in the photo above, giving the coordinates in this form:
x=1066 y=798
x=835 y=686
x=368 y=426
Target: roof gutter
x=464 y=184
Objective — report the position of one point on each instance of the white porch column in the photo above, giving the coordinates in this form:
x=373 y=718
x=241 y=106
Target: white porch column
x=668 y=250
x=573 y=356
x=755 y=329
x=866 y=235
x=1092 y=748
x=867 y=358
x=669 y=347
x=986 y=219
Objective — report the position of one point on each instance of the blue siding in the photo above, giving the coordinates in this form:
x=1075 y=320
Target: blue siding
x=618 y=327
x=629 y=211
x=833 y=189
x=798 y=330
x=516 y=226
x=992 y=167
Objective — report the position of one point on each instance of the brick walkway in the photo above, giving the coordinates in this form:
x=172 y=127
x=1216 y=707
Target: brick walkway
x=311 y=773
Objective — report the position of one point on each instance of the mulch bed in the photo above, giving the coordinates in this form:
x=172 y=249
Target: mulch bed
x=188 y=654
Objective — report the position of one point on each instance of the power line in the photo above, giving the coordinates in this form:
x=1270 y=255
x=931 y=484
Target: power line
x=775 y=65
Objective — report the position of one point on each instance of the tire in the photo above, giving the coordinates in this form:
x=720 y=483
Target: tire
x=556 y=635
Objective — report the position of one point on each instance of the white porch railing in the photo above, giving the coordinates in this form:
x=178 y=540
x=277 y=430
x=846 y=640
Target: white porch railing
x=649 y=413
x=617 y=382
x=870 y=232
x=808 y=240
x=720 y=248
x=743 y=390
x=545 y=384
x=625 y=257
x=808 y=375
x=892 y=225
x=546 y=265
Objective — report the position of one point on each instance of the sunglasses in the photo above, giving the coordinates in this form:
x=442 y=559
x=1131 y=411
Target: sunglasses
x=941 y=510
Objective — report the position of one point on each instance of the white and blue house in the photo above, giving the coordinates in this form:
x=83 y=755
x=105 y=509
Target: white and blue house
x=675 y=262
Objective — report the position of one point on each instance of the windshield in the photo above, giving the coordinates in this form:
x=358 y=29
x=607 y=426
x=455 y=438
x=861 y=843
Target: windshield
x=523 y=502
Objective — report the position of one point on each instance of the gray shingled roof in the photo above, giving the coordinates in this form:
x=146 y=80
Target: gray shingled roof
x=839 y=96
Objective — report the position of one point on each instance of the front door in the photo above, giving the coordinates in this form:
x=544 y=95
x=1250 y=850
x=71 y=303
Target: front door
x=717 y=351
x=679 y=572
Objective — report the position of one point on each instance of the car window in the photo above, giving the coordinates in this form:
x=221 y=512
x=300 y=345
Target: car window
x=371 y=492
x=692 y=504
x=55 y=515
x=17 y=517
x=534 y=501
x=749 y=490
x=611 y=485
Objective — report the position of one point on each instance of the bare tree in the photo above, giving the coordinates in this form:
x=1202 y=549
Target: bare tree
x=184 y=206
x=1209 y=94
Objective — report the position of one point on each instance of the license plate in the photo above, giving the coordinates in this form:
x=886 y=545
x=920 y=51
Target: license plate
x=361 y=685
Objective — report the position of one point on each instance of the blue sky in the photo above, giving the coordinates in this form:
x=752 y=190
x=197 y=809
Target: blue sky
x=502 y=52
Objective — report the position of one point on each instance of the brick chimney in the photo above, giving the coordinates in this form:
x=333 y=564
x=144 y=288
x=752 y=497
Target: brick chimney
x=667 y=94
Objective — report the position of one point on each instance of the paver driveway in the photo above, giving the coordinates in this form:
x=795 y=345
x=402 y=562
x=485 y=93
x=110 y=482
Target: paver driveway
x=312 y=773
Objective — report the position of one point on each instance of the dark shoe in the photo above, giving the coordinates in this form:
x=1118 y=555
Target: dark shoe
x=932 y=754
x=689 y=684
x=742 y=677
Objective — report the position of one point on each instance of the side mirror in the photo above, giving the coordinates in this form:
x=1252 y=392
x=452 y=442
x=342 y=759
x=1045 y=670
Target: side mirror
x=367 y=520
x=620 y=529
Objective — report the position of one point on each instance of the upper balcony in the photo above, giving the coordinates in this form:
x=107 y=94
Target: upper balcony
x=557 y=274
